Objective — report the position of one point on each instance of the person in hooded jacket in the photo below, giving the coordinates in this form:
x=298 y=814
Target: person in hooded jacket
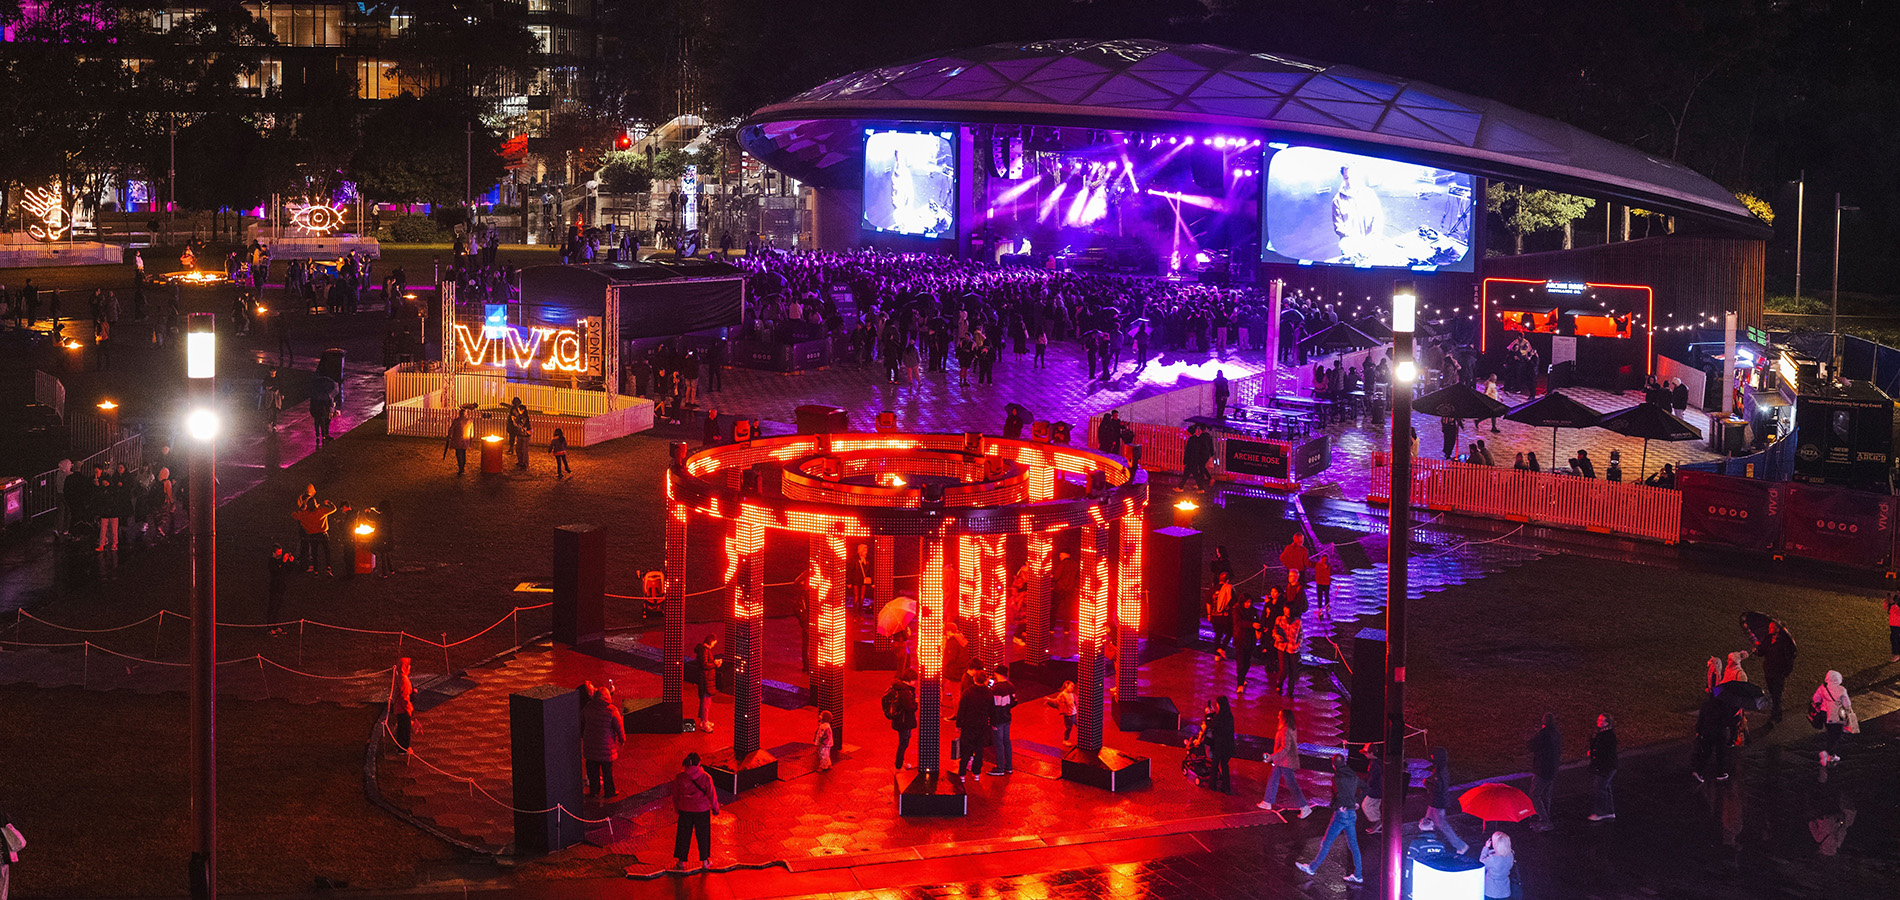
x=695 y=801
x=602 y=732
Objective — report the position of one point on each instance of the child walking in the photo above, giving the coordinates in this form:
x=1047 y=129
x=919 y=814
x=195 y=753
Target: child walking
x=558 y=447
x=825 y=740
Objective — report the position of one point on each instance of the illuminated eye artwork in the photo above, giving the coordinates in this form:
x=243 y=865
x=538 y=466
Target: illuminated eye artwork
x=315 y=218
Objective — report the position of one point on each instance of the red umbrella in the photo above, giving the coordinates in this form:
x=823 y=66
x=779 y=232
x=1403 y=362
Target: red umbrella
x=1495 y=802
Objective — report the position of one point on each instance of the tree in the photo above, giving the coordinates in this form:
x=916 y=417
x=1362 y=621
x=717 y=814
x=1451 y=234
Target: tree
x=416 y=150
x=1528 y=210
x=626 y=172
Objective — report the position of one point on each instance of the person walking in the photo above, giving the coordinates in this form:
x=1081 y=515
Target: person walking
x=1294 y=555
x=461 y=435
x=695 y=802
x=706 y=667
x=1245 y=640
x=1546 y=748
x=1002 y=702
x=602 y=732
x=1345 y=806
x=1374 y=803
x=1064 y=705
x=402 y=704
x=1220 y=614
x=973 y=726
x=1836 y=711
x=322 y=408
x=824 y=738
x=900 y=708
x=1448 y=427
x=1283 y=765
x=1286 y=642
x=1438 y=803
x=1498 y=860
x=557 y=446
x=1603 y=769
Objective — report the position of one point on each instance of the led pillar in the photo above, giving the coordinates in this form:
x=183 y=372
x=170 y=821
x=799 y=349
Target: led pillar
x=745 y=630
x=883 y=567
x=1036 y=606
x=673 y=608
x=827 y=619
x=930 y=633
x=1129 y=596
x=993 y=616
x=1091 y=636
x=1404 y=317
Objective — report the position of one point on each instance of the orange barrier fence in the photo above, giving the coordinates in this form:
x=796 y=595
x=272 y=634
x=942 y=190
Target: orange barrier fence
x=1540 y=498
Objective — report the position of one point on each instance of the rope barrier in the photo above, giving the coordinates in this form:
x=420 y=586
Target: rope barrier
x=300 y=623
x=475 y=787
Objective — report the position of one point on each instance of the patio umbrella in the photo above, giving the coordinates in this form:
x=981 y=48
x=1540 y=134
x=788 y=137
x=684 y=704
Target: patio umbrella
x=1459 y=401
x=1494 y=802
x=1340 y=336
x=1553 y=411
x=897 y=615
x=1649 y=421
x=1741 y=695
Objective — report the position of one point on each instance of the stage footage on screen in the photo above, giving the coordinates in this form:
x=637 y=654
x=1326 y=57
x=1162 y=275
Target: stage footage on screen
x=1333 y=208
x=909 y=183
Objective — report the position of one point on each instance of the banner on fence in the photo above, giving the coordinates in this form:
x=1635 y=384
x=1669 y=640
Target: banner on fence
x=1313 y=457
x=1838 y=525
x=1738 y=512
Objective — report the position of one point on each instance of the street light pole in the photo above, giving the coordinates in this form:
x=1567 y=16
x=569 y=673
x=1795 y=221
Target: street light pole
x=1800 y=210
x=201 y=423
x=1398 y=554
x=1834 y=304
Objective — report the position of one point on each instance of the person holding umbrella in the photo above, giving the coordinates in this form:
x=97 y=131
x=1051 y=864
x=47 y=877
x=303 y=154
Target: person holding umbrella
x=1498 y=860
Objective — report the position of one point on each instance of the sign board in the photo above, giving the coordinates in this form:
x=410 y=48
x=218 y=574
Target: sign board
x=1563 y=349
x=1312 y=457
x=1838 y=525
x=1260 y=459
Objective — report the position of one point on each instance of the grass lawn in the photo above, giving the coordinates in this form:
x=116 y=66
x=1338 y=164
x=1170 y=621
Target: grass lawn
x=1580 y=636
x=100 y=787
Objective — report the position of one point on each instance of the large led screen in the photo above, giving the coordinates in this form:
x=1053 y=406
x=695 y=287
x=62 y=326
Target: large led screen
x=1324 y=207
x=910 y=184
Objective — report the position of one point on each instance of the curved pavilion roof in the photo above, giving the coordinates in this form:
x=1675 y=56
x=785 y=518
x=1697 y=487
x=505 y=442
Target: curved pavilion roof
x=1156 y=86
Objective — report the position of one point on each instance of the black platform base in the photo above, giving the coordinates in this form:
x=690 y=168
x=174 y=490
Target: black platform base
x=1146 y=714
x=866 y=658
x=1110 y=770
x=735 y=776
x=930 y=794
x=651 y=715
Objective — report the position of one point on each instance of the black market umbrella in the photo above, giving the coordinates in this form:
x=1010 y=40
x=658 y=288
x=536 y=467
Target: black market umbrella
x=1459 y=401
x=1553 y=411
x=1741 y=695
x=1650 y=422
x=1340 y=336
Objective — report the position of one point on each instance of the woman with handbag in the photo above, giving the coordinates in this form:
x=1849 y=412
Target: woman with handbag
x=1834 y=710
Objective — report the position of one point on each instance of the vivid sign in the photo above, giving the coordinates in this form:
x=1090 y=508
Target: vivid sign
x=549 y=349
